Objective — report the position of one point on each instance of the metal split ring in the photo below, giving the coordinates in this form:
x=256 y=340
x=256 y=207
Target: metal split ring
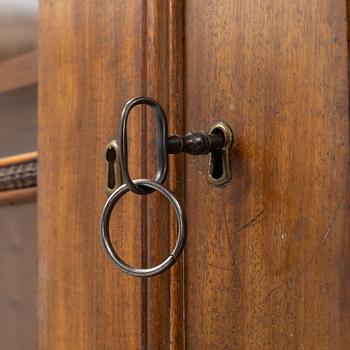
x=106 y=239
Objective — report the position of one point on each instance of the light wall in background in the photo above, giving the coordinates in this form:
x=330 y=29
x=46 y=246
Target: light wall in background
x=18 y=27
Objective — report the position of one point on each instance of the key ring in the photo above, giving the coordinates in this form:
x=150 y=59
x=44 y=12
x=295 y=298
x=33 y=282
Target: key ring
x=217 y=142
x=106 y=239
x=161 y=142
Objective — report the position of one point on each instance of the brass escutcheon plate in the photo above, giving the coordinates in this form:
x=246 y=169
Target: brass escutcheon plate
x=219 y=167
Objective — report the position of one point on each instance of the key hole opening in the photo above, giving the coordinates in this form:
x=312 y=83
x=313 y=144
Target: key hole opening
x=111 y=156
x=217 y=169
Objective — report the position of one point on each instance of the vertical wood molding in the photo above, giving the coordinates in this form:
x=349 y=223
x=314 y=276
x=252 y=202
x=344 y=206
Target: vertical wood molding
x=176 y=114
x=156 y=86
x=164 y=82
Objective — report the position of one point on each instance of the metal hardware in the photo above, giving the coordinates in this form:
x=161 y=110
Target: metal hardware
x=195 y=143
x=219 y=169
x=114 y=174
x=106 y=239
x=161 y=141
x=217 y=142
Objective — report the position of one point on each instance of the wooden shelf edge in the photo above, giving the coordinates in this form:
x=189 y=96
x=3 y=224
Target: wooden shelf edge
x=18 y=158
x=23 y=195
x=19 y=71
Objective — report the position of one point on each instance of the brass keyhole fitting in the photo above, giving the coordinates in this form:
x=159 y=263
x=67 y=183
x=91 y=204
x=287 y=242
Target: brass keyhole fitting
x=114 y=174
x=219 y=168
x=216 y=143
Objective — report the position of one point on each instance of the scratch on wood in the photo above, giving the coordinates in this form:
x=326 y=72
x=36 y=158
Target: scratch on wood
x=325 y=236
x=251 y=222
x=234 y=262
x=329 y=228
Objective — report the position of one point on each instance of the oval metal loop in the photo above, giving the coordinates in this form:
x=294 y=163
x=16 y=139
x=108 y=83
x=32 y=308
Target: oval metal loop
x=161 y=143
x=106 y=239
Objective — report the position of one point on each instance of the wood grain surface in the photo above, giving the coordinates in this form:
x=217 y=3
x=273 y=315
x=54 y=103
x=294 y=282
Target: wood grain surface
x=164 y=82
x=86 y=74
x=266 y=263
x=84 y=83
x=176 y=118
x=267 y=256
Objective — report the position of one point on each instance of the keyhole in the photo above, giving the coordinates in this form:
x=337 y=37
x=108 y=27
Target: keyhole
x=217 y=159
x=114 y=176
x=111 y=156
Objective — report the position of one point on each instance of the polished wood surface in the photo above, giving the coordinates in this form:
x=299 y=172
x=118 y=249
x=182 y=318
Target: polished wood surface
x=164 y=82
x=268 y=254
x=18 y=72
x=150 y=312
x=156 y=242
x=86 y=74
x=267 y=259
x=176 y=118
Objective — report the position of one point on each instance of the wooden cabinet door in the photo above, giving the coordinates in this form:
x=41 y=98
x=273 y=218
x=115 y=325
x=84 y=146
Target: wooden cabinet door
x=266 y=262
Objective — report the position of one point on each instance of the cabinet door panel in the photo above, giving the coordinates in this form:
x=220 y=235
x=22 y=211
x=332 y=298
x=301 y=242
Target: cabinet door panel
x=266 y=260
x=267 y=264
